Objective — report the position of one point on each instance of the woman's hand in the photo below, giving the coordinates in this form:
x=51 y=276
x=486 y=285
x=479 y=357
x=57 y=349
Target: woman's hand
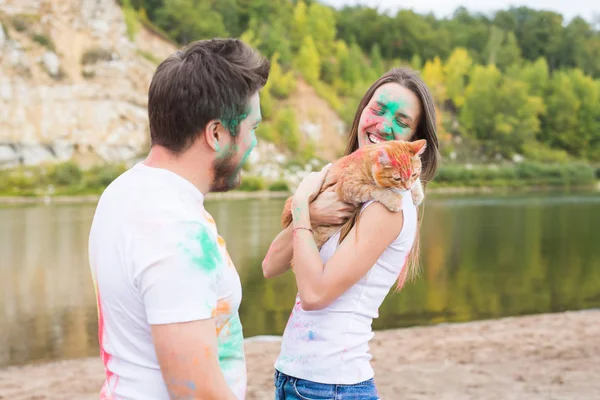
x=327 y=209
x=310 y=186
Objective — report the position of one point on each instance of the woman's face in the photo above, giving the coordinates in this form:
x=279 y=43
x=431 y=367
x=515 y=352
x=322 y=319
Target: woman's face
x=392 y=114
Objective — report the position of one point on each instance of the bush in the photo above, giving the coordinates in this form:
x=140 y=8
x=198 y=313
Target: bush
x=44 y=41
x=252 y=184
x=279 y=186
x=148 y=56
x=66 y=174
x=22 y=22
x=93 y=55
x=100 y=176
x=131 y=20
x=287 y=127
x=526 y=173
x=23 y=180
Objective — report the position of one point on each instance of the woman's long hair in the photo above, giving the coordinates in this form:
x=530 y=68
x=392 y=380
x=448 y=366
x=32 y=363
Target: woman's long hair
x=426 y=129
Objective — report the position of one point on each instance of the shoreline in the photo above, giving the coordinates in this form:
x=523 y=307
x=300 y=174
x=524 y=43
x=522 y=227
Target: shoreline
x=534 y=357
x=265 y=194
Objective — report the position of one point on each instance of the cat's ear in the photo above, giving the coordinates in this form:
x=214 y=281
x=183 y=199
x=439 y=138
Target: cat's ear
x=418 y=146
x=383 y=156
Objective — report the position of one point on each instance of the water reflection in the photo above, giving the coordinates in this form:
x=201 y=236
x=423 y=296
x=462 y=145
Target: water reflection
x=484 y=257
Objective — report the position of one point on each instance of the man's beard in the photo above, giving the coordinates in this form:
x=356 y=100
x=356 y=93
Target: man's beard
x=227 y=173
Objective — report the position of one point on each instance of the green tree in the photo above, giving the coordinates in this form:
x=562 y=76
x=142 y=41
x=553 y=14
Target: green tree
x=433 y=75
x=189 y=20
x=502 y=49
x=376 y=61
x=499 y=112
x=536 y=75
x=287 y=128
x=573 y=118
x=280 y=84
x=299 y=25
x=456 y=70
x=321 y=26
x=308 y=61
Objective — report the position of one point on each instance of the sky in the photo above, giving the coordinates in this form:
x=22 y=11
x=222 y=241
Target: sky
x=443 y=8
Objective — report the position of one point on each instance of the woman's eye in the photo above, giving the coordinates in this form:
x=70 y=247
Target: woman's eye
x=377 y=111
x=401 y=123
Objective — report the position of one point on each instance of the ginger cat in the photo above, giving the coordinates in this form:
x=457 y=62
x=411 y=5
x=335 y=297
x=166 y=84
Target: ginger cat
x=374 y=172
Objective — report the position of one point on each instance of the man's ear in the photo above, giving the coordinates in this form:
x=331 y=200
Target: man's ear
x=213 y=132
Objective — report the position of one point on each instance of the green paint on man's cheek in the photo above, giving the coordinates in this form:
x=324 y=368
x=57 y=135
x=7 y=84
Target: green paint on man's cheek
x=232 y=124
x=253 y=143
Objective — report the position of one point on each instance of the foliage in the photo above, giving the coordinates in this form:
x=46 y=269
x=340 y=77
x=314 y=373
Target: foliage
x=44 y=40
x=287 y=128
x=527 y=173
x=279 y=186
x=518 y=82
x=252 y=183
x=95 y=54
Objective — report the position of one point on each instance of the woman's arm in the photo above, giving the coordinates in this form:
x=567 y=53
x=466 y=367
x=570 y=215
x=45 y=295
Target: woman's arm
x=326 y=209
x=319 y=284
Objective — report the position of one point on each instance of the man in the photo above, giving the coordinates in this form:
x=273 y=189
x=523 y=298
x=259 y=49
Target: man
x=168 y=294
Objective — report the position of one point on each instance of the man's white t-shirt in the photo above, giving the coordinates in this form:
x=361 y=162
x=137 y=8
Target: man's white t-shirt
x=156 y=258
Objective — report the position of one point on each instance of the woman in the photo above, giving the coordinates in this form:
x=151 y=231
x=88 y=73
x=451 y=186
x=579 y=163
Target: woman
x=325 y=353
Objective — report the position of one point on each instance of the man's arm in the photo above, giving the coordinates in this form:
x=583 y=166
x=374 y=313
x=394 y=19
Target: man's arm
x=188 y=358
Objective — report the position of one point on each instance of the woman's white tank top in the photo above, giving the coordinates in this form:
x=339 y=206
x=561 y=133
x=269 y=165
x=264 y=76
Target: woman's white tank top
x=332 y=345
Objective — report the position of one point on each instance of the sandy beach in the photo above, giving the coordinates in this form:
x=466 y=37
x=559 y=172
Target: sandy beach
x=549 y=356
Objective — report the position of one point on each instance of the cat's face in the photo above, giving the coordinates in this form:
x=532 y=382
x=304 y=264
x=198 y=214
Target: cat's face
x=397 y=164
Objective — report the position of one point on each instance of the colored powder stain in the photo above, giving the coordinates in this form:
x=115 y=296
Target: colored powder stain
x=207 y=352
x=106 y=357
x=223 y=308
x=253 y=144
x=231 y=346
x=233 y=123
x=222 y=152
x=311 y=335
x=392 y=125
x=229 y=261
x=221 y=241
x=209 y=218
x=298 y=212
x=210 y=257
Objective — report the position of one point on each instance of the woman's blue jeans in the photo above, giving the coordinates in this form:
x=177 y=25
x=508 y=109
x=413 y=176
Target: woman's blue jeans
x=290 y=388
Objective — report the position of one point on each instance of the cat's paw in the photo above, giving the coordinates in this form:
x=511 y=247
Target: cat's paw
x=395 y=207
x=392 y=204
x=417 y=197
x=417 y=192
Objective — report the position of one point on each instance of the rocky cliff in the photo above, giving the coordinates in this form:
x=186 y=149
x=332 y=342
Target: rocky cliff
x=72 y=83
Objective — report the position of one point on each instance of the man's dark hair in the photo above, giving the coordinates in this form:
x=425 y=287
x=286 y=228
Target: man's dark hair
x=207 y=80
